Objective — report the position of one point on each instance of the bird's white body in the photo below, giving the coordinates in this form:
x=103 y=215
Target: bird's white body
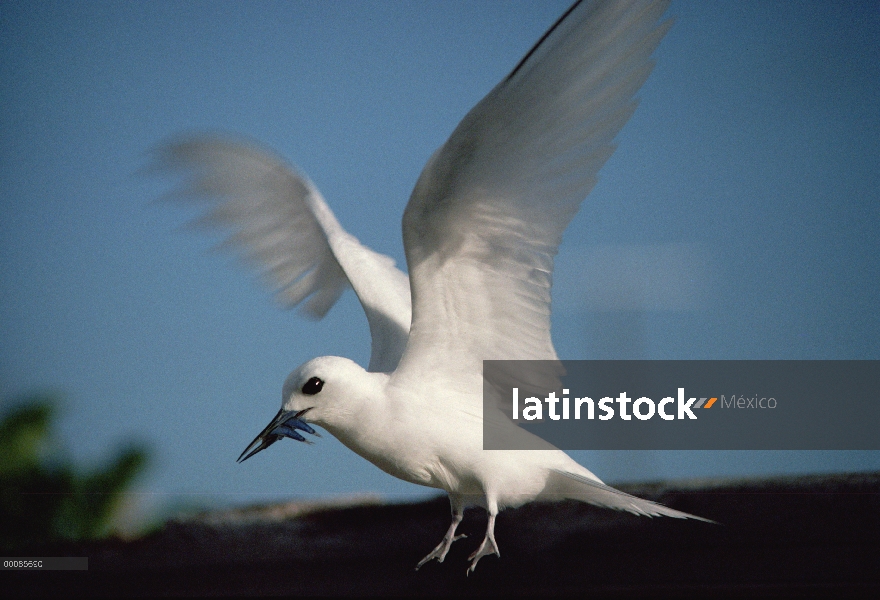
x=405 y=436
x=480 y=232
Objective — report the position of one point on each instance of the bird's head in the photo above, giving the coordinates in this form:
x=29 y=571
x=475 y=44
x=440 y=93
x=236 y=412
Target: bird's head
x=323 y=391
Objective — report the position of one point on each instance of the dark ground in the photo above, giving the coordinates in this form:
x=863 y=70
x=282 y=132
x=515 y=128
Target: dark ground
x=781 y=537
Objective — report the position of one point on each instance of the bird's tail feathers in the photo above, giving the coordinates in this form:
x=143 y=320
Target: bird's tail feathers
x=568 y=485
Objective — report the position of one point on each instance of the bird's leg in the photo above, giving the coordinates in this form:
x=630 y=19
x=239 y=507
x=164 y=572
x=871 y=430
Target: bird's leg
x=488 y=546
x=443 y=547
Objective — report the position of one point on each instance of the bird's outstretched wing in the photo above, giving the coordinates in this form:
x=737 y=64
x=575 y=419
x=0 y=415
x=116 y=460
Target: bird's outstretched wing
x=487 y=214
x=280 y=222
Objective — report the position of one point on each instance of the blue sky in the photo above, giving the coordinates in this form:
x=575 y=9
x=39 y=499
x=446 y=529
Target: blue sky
x=752 y=164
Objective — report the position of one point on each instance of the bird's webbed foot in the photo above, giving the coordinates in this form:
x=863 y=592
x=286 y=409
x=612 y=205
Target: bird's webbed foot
x=487 y=547
x=443 y=547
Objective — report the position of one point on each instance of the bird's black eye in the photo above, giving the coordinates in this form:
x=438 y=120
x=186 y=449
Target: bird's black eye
x=312 y=386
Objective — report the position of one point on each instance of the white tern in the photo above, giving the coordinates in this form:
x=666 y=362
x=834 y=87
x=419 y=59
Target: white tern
x=480 y=232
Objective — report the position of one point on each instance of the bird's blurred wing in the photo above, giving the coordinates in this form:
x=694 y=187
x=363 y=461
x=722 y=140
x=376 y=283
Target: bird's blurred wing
x=281 y=224
x=487 y=214
x=563 y=485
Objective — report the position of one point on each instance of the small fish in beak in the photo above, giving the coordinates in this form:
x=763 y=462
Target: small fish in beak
x=283 y=425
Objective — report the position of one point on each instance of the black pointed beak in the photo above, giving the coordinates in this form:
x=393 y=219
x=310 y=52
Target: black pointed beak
x=283 y=425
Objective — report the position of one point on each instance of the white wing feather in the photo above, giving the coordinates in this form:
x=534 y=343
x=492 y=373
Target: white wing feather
x=284 y=227
x=563 y=484
x=487 y=214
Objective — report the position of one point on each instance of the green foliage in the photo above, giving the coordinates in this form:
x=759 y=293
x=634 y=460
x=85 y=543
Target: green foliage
x=44 y=497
